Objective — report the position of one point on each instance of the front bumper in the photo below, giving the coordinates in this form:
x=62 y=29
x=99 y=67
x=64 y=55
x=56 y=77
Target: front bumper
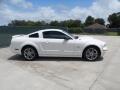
x=104 y=49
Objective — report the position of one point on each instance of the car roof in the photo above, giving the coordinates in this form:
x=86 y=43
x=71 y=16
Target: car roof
x=43 y=30
x=50 y=30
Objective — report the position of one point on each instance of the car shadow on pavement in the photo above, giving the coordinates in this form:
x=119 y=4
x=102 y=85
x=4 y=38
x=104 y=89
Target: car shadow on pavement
x=20 y=58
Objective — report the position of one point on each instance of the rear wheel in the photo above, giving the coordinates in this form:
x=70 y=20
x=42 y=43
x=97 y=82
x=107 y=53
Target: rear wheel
x=91 y=53
x=29 y=53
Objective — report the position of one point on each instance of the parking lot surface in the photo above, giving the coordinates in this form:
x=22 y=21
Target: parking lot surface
x=62 y=73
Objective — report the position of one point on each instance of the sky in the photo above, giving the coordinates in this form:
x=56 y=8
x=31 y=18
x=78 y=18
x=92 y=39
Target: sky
x=49 y=10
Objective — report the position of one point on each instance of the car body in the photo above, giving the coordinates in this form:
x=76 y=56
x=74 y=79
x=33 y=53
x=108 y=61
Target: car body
x=56 y=43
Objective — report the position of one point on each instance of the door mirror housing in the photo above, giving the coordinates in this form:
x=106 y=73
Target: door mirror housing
x=76 y=37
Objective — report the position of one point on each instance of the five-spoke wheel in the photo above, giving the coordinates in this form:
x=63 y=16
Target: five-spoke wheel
x=91 y=53
x=29 y=53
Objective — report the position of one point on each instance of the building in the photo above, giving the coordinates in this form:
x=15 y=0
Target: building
x=95 y=28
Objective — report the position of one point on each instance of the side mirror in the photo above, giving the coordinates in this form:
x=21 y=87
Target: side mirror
x=76 y=37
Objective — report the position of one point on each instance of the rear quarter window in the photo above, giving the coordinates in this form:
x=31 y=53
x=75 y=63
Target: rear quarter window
x=35 y=35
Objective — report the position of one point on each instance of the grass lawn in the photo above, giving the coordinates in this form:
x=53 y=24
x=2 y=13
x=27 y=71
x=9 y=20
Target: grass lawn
x=112 y=33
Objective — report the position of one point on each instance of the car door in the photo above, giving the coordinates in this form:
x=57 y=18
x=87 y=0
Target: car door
x=71 y=48
x=52 y=43
x=57 y=43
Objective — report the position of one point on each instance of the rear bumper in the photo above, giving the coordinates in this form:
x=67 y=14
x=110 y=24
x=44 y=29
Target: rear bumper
x=15 y=50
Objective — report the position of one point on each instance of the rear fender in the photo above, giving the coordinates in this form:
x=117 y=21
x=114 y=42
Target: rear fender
x=30 y=44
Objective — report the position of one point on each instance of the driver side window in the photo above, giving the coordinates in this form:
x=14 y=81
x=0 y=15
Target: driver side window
x=55 y=35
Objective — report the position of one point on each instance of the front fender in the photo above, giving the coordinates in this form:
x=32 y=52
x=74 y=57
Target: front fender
x=92 y=44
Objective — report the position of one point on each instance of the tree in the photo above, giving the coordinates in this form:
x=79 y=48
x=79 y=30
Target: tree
x=76 y=23
x=40 y=23
x=114 y=20
x=100 y=21
x=54 y=23
x=89 y=21
x=66 y=23
x=70 y=23
x=27 y=23
x=17 y=23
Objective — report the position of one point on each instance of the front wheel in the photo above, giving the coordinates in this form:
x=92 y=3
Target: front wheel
x=91 y=53
x=29 y=53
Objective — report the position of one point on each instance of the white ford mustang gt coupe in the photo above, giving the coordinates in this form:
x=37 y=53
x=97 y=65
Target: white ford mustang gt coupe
x=57 y=43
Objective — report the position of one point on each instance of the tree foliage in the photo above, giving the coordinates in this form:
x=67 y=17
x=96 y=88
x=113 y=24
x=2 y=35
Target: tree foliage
x=114 y=20
x=89 y=21
x=100 y=21
x=26 y=23
x=54 y=23
x=71 y=23
x=66 y=23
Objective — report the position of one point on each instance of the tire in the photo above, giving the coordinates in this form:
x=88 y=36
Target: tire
x=91 y=53
x=29 y=53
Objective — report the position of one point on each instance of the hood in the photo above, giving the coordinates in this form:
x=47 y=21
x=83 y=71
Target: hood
x=85 y=38
x=91 y=40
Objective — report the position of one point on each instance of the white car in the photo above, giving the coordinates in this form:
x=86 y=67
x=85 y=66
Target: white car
x=57 y=43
